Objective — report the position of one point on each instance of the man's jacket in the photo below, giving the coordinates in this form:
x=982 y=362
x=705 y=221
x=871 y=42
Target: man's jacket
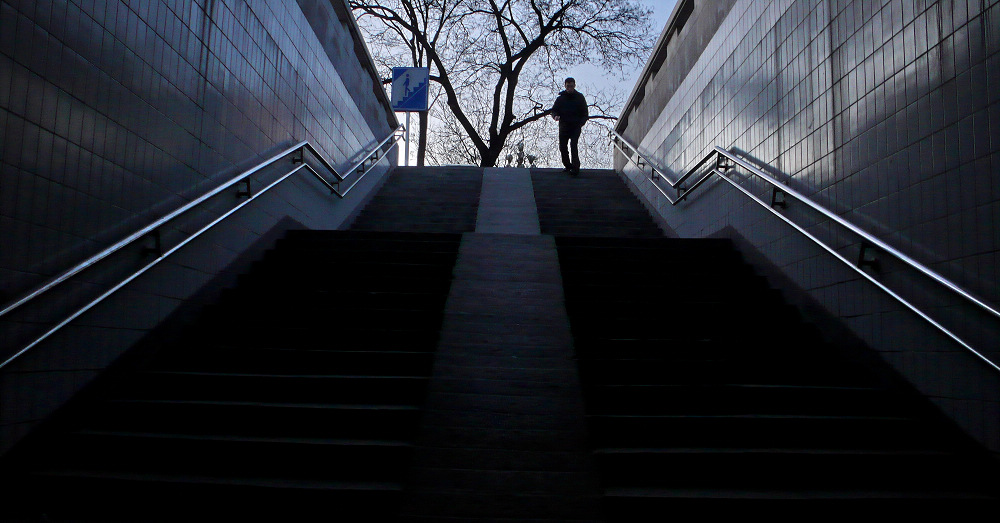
x=571 y=108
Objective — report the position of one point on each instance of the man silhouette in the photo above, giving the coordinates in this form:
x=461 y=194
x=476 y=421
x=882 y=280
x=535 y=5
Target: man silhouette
x=570 y=110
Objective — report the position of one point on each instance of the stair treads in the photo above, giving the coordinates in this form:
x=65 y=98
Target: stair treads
x=592 y=203
x=425 y=200
x=700 y=383
x=298 y=391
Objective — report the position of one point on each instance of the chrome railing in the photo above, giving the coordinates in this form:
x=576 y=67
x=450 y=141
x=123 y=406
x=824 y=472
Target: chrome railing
x=360 y=168
x=725 y=160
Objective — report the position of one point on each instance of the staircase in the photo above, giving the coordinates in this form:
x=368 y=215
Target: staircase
x=593 y=203
x=298 y=393
x=443 y=199
x=420 y=366
x=705 y=391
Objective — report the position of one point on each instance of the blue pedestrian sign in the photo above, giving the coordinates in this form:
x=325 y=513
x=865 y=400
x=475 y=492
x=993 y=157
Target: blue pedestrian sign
x=409 y=88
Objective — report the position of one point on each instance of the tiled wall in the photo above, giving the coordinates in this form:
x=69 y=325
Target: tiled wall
x=886 y=112
x=114 y=113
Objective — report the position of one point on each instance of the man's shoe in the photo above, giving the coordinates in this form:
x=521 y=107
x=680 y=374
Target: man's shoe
x=567 y=170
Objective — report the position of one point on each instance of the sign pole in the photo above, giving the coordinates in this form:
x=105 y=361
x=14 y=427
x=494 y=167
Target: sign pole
x=406 y=160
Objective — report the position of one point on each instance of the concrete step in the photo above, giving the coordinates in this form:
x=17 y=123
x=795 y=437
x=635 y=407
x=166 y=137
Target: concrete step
x=291 y=459
x=83 y=496
x=255 y=419
x=739 y=399
x=785 y=469
x=764 y=431
x=274 y=388
x=803 y=368
x=297 y=361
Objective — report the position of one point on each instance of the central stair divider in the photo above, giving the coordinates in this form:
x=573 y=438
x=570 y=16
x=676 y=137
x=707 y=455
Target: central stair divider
x=503 y=434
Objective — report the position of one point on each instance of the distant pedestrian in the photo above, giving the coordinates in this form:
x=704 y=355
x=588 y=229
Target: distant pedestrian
x=570 y=110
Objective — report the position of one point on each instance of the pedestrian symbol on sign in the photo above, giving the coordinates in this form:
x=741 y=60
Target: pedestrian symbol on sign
x=409 y=88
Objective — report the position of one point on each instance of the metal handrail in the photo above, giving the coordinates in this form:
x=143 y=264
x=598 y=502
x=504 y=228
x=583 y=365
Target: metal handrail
x=723 y=157
x=300 y=147
x=682 y=192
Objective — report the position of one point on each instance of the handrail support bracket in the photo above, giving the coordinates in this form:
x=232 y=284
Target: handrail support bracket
x=157 y=247
x=867 y=256
x=246 y=190
x=778 y=198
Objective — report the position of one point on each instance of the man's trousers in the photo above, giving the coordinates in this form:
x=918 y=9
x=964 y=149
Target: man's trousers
x=569 y=135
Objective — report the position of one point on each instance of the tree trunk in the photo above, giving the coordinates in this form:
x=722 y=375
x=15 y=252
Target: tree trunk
x=490 y=156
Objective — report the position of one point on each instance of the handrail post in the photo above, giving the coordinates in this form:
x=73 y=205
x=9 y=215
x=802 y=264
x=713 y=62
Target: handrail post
x=246 y=191
x=157 y=247
x=778 y=198
x=721 y=163
x=867 y=256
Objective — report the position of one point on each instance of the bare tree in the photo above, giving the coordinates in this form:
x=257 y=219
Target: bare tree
x=449 y=144
x=498 y=62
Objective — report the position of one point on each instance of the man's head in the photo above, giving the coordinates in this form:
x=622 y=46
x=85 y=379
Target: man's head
x=570 y=84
